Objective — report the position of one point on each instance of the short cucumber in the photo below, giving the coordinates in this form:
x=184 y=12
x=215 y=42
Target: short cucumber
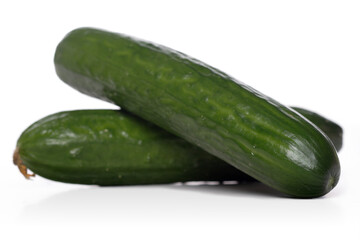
x=252 y=132
x=109 y=147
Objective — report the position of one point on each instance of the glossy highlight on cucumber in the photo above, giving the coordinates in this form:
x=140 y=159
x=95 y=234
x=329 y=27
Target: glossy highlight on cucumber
x=210 y=109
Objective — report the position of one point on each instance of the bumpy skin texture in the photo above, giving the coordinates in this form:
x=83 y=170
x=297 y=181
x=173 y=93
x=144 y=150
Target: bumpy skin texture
x=330 y=128
x=93 y=147
x=206 y=107
x=110 y=147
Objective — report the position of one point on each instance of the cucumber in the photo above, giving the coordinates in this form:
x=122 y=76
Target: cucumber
x=109 y=147
x=252 y=132
x=330 y=128
x=93 y=147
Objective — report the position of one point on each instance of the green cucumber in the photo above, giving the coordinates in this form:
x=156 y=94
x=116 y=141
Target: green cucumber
x=252 y=132
x=109 y=147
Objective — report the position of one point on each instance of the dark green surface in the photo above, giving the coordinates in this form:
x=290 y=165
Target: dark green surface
x=330 y=128
x=206 y=107
x=98 y=146
x=109 y=147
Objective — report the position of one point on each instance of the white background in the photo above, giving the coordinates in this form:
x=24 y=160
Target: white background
x=303 y=53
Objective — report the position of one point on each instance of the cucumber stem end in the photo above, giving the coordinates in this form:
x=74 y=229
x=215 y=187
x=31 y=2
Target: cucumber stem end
x=19 y=163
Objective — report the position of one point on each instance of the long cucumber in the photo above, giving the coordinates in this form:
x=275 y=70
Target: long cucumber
x=204 y=106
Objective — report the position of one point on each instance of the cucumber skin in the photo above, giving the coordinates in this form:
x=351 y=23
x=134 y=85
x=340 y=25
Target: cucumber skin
x=206 y=107
x=92 y=147
x=330 y=128
x=110 y=147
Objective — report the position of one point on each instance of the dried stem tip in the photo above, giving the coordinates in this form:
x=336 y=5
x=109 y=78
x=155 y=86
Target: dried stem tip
x=18 y=162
